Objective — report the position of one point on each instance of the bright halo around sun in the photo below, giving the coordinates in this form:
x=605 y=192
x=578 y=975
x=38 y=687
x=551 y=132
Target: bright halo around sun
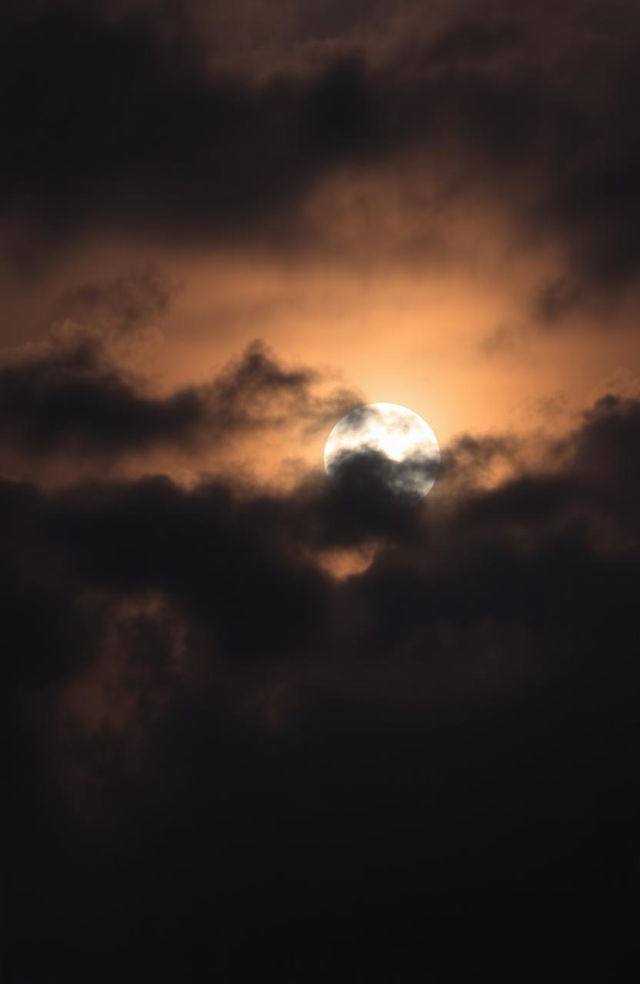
x=394 y=444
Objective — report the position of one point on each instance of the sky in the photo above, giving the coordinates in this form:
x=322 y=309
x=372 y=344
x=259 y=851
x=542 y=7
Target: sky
x=261 y=723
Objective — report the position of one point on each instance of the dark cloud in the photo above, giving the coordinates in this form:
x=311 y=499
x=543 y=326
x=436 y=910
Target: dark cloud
x=70 y=399
x=131 y=132
x=438 y=746
x=469 y=553
x=602 y=446
x=367 y=475
x=111 y=123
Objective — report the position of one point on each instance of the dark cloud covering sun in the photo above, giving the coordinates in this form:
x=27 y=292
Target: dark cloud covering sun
x=271 y=710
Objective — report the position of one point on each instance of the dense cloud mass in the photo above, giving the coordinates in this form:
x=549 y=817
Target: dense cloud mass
x=296 y=726
x=118 y=116
x=70 y=399
x=206 y=696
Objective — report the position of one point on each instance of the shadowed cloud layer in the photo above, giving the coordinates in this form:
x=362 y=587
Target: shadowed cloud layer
x=69 y=398
x=180 y=660
x=126 y=122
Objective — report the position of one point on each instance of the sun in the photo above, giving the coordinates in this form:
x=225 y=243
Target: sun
x=391 y=439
